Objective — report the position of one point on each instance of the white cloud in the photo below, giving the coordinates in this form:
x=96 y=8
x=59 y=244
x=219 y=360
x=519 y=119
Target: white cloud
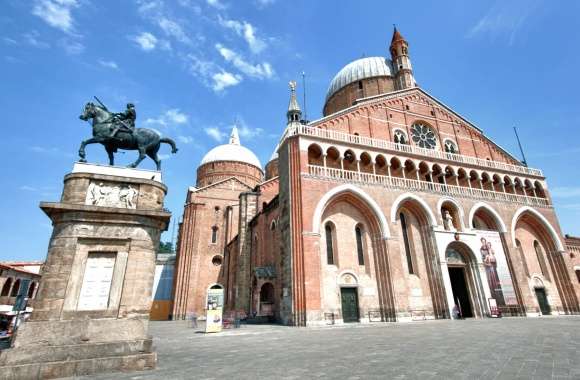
x=225 y=79
x=504 y=18
x=264 y=3
x=216 y=4
x=71 y=47
x=28 y=188
x=245 y=30
x=108 y=64
x=56 y=13
x=185 y=139
x=9 y=41
x=261 y=70
x=565 y=192
x=32 y=39
x=49 y=151
x=215 y=133
x=248 y=132
x=146 y=41
x=211 y=74
x=173 y=29
x=169 y=117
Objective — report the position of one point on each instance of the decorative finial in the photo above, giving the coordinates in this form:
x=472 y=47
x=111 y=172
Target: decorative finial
x=292 y=85
x=234 y=137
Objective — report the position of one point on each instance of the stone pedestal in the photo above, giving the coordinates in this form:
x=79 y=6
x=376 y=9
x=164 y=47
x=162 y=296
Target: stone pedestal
x=92 y=307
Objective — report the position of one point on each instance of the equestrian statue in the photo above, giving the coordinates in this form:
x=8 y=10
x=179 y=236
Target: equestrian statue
x=117 y=131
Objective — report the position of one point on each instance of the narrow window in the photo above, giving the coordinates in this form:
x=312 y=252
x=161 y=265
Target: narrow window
x=329 y=246
x=359 y=246
x=214 y=233
x=523 y=257
x=541 y=261
x=578 y=275
x=15 y=288
x=360 y=85
x=6 y=287
x=407 y=244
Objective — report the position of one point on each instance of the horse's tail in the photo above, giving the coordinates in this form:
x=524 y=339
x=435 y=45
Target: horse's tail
x=167 y=140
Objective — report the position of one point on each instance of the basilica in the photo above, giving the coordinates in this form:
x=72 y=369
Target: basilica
x=391 y=207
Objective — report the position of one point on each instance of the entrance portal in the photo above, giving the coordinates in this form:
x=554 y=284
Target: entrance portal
x=543 y=301
x=460 y=290
x=349 y=300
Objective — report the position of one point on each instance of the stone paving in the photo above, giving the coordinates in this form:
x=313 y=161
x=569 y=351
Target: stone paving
x=509 y=348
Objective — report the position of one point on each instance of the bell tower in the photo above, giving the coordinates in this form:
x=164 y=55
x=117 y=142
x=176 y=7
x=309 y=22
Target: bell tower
x=401 y=62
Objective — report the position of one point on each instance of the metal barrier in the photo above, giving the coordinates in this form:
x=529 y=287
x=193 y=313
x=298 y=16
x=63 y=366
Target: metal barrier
x=422 y=314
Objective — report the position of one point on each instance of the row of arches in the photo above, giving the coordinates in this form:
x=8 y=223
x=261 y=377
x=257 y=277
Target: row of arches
x=415 y=218
x=12 y=285
x=423 y=171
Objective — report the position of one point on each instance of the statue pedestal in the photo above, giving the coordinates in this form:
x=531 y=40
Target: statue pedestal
x=92 y=308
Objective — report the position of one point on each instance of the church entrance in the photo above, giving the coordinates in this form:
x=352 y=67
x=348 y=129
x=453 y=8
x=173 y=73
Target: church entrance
x=460 y=291
x=543 y=301
x=462 y=278
x=349 y=300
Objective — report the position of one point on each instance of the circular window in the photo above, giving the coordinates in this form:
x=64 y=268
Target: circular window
x=423 y=136
x=217 y=260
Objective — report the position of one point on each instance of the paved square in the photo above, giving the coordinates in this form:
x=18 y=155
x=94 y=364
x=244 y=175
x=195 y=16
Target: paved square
x=509 y=348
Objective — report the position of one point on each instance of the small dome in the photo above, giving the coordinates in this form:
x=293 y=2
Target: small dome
x=360 y=69
x=232 y=151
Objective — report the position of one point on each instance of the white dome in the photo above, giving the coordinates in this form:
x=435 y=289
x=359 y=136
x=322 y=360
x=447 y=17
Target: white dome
x=232 y=151
x=360 y=69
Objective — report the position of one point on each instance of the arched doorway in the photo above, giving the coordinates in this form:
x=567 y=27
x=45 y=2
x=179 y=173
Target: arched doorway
x=464 y=280
x=267 y=299
x=541 y=296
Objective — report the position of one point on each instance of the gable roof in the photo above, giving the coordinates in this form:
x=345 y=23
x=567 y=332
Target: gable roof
x=194 y=189
x=396 y=94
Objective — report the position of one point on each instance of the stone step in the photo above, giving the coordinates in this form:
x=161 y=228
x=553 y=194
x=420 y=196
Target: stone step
x=44 y=354
x=71 y=368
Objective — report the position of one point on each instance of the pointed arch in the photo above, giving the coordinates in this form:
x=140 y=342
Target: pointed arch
x=495 y=214
x=348 y=188
x=409 y=196
x=551 y=230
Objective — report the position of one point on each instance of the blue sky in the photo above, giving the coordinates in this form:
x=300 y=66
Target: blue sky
x=193 y=67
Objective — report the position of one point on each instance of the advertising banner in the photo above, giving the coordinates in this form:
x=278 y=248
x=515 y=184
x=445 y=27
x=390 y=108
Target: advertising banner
x=214 y=306
x=496 y=268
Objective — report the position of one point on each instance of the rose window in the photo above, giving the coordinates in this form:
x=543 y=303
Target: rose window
x=423 y=136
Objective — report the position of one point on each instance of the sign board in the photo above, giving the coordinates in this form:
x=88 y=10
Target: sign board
x=496 y=268
x=97 y=281
x=214 y=306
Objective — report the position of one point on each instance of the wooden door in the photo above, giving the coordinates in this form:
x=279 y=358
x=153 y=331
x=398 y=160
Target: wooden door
x=543 y=300
x=349 y=300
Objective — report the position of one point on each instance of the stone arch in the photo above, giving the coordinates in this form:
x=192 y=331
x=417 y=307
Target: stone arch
x=499 y=222
x=340 y=278
x=552 y=232
x=458 y=207
x=357 y=192
x=409 y=196
x=333 y=157
x=6 y=287
x=215 y=285
x=315 y=153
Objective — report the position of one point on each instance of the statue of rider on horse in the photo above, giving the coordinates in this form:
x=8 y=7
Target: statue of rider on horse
x=117 y=131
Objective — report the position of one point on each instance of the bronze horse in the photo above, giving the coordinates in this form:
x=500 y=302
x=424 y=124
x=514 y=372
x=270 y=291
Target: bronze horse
x=146 y=141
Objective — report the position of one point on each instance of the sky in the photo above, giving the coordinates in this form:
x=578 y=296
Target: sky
x=193 y=68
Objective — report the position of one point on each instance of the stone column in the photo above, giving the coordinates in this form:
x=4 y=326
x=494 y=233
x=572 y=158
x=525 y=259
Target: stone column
x=92 y=309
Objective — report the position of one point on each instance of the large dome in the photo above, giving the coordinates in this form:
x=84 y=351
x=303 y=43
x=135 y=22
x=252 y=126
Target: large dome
x=232 y=151
x=360 y=69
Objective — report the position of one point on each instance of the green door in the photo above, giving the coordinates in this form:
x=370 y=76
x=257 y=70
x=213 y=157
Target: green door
x=349 y=299
x=543 y=300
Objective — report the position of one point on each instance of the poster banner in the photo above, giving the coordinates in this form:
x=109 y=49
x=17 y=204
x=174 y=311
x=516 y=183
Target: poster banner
x=214 y=306
x=496 y=268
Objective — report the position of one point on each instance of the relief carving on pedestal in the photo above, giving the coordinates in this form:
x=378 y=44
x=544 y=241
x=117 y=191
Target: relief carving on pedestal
x=112 y=195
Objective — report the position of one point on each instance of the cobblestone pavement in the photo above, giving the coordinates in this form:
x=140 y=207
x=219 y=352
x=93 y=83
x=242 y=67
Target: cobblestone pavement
x=509 y=348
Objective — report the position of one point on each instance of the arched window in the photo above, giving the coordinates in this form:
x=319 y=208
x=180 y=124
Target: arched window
x=6 y=288
x=450 y=146
x=328 y=230
x=400 y=137
x=15 y=288
x=214 y=234
x=31 y=289
x=407 y=243
x=359 y=245
x=523 y=257
x=540 y=256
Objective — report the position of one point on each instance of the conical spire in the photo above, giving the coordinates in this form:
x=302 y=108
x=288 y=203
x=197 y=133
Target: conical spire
x=294 y=113
x=234 y=137
x=396 y=36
